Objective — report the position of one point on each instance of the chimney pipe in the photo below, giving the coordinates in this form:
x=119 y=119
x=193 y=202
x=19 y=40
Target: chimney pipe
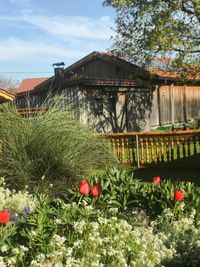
x=59 y=70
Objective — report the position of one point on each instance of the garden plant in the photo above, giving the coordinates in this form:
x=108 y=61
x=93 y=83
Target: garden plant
x=52 y=147
x=65 y=203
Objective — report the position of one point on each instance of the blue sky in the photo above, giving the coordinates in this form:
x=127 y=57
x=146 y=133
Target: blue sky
x=36 y=33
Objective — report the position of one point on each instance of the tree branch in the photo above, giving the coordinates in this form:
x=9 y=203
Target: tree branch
x=186 y=10
x=190 y=51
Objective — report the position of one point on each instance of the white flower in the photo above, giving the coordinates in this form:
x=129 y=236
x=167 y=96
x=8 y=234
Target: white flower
x=4 y=248
x=57 y=221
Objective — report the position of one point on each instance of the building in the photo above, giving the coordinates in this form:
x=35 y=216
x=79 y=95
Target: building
x=113 y=95
x=6 y=96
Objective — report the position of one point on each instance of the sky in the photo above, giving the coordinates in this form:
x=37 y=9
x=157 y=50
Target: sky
x=34 y=34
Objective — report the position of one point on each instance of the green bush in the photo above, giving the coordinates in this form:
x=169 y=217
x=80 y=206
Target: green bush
x=52 y=147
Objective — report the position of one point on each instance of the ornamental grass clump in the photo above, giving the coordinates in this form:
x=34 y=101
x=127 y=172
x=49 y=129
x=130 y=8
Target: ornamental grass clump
x=51 y=147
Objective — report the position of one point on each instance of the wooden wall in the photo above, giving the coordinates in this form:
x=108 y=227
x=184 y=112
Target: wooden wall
x=175 y=104
x=114 y=109
x=99 y=69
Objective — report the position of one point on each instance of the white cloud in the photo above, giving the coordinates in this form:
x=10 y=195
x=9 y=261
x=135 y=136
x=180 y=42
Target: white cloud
x=30 y=51
x=78 y=27
x=14 y=49
x=54 y=38
x=67 y=27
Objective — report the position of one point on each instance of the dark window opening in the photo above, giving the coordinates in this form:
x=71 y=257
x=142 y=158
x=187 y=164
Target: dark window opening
x=97 y=105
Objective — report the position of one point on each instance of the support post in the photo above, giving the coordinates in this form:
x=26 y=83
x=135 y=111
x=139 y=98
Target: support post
x=185 y=104
x=137 y=151
x=158 y=105
x=172 y=103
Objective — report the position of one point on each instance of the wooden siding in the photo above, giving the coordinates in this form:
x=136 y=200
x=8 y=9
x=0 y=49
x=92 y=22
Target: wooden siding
x=179 y=103
x=100 y=70
x=121 y=109
x=193 y=101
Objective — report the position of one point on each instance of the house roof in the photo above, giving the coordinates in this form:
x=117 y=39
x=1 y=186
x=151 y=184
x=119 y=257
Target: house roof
x=40 y=84
x=173 y=75
x=155 y=73
x=102 y=55
x=161 y=70
x=29 y=84
x=109 y=57
x=5 y=95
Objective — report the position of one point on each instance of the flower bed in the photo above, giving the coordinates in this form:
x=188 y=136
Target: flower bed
x=108 y=221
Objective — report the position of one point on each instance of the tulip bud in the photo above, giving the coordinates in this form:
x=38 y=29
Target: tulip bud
x=4 y=216
x=84 y=188
x=156 y=180
x=179 y=195
x=96 y=190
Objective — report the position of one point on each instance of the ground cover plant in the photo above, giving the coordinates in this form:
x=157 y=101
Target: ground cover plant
x=52 y=147
x=88 y=229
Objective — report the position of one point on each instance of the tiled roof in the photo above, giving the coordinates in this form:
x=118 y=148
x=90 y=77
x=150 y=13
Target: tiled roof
x=29 y=84
x=171 y=74
x=161 y=70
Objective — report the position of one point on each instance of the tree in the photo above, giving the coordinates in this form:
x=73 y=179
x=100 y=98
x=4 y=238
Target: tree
x=157 y=28
x=8 y=83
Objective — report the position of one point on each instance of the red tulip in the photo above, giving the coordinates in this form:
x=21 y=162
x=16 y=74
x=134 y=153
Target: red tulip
x=4 y=216
x=96 y=190
x=179 y=195
x=156 y=180
x=84 y=188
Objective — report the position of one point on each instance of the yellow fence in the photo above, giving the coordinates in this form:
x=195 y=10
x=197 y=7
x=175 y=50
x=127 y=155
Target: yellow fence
x=143 y=148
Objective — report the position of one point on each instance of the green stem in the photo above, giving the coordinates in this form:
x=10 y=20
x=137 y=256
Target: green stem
x=80 y=200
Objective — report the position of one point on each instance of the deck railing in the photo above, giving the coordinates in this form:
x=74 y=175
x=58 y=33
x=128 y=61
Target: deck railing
x=30 y=111
x=143 y=148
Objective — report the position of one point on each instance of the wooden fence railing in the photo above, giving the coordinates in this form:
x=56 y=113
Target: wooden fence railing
x=143 y=148
x=30 y=111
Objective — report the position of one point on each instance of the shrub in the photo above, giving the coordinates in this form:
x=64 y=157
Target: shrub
x=51 y=147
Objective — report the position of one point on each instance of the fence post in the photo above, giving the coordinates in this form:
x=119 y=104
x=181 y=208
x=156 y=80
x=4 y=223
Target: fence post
x=185 y=106
x=158 y=105
x=171 y=88
x=137 y=151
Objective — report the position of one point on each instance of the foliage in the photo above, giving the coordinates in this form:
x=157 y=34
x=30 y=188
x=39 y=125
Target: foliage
x=60 y=234
x=121 y=190
x=49 y=148
x=146 y=29
x=183 y=234
x=67 y=234
x=8 y=83
x=16 y=202
x=118 y=187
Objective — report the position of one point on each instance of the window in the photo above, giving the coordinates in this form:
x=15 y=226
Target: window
x=97 y=105
x=110 y=103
